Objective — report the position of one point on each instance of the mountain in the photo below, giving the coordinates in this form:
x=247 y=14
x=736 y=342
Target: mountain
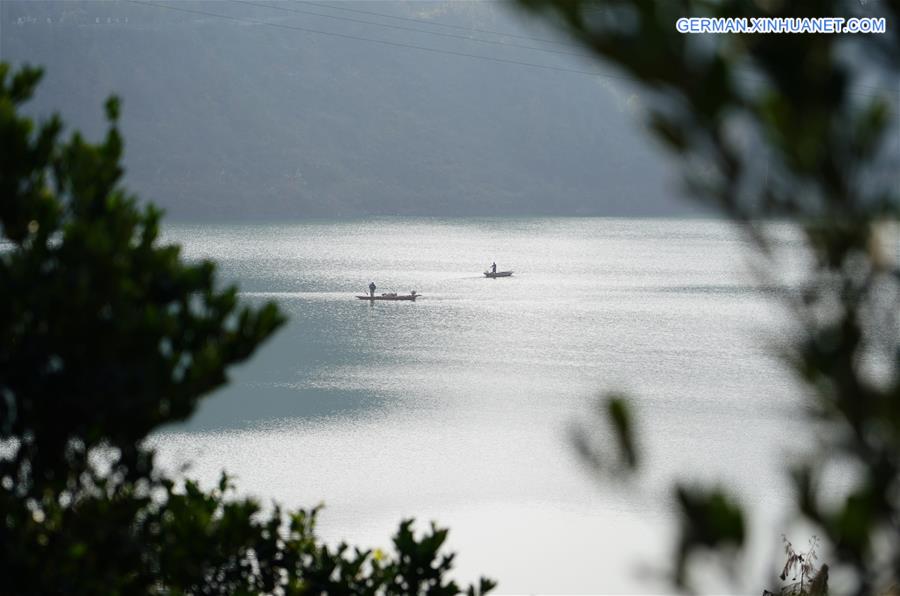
x=238 y=110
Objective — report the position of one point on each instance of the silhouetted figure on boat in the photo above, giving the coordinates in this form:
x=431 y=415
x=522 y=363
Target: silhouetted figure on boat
x=492 y=272
x=372 y=289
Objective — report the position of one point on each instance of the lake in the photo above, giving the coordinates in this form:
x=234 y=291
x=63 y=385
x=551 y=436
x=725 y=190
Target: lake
x=460 y=407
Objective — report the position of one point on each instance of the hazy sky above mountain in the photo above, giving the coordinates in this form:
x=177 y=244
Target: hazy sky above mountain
x=283 y=109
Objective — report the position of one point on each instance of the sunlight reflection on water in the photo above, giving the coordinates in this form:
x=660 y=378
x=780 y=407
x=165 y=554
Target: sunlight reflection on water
x=457 y=407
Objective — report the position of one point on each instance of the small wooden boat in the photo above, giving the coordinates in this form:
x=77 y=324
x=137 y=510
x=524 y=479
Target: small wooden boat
x=498 y=274
x=392 y=296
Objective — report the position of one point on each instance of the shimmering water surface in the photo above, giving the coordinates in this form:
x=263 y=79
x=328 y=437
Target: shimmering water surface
x=459 y=407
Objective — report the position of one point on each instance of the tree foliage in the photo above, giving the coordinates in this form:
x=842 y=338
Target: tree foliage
x=105 y=334
x=802 y=566
x=790 y=127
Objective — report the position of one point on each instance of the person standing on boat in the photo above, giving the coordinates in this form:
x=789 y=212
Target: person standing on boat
x=493 y=267
x=372 y=289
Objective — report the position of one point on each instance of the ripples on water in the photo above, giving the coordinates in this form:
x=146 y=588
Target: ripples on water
x=457 y=407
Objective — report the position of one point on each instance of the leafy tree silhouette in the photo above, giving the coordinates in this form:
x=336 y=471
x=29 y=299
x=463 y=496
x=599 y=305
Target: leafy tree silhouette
x=105 y=334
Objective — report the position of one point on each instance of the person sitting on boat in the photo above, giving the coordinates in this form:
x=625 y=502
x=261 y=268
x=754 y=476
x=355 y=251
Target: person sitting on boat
x=372 y=289
x=493 y=267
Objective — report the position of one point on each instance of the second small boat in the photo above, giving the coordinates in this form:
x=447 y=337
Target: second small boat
x=498 y=273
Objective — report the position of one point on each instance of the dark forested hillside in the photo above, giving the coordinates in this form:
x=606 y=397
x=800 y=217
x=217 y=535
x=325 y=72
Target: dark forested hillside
x=258 y=116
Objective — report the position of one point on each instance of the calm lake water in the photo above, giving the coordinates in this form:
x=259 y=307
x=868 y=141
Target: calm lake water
x=458 y=408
